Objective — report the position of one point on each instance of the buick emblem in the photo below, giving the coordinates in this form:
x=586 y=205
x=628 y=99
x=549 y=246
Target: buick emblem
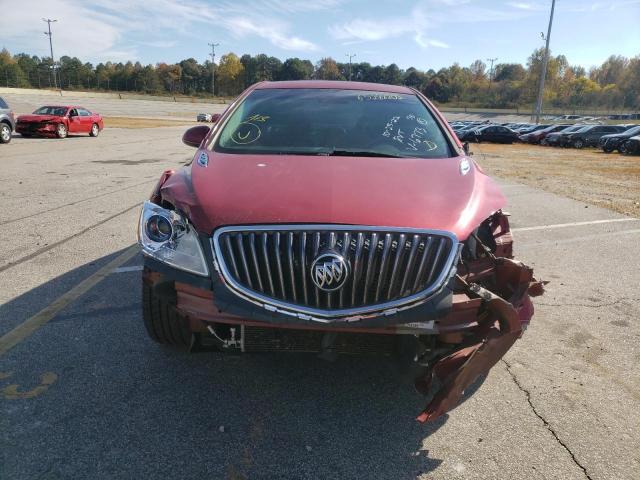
x=329 y=271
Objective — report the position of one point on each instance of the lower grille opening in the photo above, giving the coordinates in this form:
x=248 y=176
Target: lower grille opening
x=260 y=339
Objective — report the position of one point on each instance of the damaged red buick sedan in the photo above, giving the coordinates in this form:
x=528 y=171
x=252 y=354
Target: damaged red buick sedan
x=336 y=217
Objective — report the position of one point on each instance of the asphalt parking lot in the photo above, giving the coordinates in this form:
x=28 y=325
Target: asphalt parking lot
x=88 y=395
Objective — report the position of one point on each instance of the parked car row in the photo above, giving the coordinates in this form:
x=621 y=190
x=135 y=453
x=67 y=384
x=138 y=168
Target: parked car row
x=581 y=135
x=49 y=121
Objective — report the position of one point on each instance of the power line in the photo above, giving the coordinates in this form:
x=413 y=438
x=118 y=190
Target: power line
x=53 y=63
x=213 y=67
x=350 y=55
x=545 y=61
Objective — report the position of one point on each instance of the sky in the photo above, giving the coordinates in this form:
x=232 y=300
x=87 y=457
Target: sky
x=420 y=33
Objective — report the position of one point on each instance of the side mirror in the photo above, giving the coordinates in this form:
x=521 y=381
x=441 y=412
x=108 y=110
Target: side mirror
x=195 y=135
x=465 y=147
x=215 y=117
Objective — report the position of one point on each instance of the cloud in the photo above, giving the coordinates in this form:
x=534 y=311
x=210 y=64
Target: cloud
x=269 y=30
x=425 y=16
x=160 y=44
x=520 y=5
x=367 y=30
x=438 y=43
x=110 y=29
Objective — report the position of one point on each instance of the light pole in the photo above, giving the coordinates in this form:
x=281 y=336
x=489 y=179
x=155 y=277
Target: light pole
x=213 y=67
x=53 y=63
x=491 y=69
x=545 y=61
x=350 y=55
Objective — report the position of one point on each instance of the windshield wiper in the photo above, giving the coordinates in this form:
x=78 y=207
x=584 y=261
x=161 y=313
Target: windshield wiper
x=357 y=153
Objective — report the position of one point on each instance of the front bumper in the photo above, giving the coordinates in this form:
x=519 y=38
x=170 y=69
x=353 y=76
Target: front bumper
x=477 y=317
x=36 y=128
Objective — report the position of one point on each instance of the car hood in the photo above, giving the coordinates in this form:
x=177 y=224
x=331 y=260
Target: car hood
x=38 y=118
x=392 y=192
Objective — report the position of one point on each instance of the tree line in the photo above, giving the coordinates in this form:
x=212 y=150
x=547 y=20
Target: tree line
x=613 y=85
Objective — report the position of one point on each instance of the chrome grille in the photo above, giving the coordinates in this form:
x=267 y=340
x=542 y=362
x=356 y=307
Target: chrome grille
x=386 y=266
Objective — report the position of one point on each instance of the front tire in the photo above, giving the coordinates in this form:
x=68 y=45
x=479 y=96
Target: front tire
x=163 y=323
x=95 y=130
x=607 y=149
x=622 y=148
x=61 y=131
x=5 y=133
x=578 y=144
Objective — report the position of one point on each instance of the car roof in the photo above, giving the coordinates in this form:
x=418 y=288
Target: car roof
x=337 y=84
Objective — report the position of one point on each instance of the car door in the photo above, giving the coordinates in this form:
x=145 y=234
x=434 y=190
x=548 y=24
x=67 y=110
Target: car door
x=594 y=134
x=85 y=119
x=487 y=134
x=75 y=124
x=501 y=134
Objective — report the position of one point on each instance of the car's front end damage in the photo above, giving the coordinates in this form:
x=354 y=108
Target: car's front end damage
x=333 y=254
x=38 y=125
x=456 y=331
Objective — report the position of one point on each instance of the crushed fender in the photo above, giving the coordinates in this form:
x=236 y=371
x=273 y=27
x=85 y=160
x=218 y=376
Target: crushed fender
x=499 y=325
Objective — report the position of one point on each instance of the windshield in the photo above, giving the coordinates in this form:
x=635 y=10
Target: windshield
x=632 y=130
x=318 y=121
x=58 y=111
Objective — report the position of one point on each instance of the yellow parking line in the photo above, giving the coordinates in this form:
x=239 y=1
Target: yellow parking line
x=26 y=328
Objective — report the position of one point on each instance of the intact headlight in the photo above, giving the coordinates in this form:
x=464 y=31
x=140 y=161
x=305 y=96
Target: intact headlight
x=167 y=236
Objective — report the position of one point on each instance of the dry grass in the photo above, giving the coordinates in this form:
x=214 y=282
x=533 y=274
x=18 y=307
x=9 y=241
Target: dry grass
x=132 y=122
x=607 y=180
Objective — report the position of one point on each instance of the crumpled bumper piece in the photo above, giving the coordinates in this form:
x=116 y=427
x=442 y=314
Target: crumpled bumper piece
x=502 y=324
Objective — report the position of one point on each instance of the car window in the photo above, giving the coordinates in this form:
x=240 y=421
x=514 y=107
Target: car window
x=73 y=112
x=84 y=113
x=3 y=104
x=58 y=111
x=322 y=121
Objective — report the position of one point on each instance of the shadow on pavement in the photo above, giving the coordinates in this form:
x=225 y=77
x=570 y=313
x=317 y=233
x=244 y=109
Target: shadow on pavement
x=125 y=407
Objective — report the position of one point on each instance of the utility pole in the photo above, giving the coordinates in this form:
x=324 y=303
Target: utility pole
x=350 y=55
x=53 y=63
x=545 y=61
x=213 y=67
x=491 y=69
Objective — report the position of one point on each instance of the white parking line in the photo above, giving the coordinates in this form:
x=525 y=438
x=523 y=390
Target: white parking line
x=582 y=238
x=30 y=325
x=574 y=224
x=133 y=268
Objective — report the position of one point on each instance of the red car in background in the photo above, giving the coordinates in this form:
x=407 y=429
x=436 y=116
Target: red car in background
x=59 y=121
x=336 y=217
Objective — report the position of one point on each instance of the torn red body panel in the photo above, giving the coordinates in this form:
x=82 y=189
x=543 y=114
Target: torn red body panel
x=501 y=325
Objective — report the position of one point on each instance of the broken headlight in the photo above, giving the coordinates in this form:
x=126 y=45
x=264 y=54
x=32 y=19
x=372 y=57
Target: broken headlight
x=168 y=237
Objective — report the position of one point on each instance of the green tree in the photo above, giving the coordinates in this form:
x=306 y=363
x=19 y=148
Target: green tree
x=392 y=75
x=296 y=69
x=230 y=75
x=327 y=69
